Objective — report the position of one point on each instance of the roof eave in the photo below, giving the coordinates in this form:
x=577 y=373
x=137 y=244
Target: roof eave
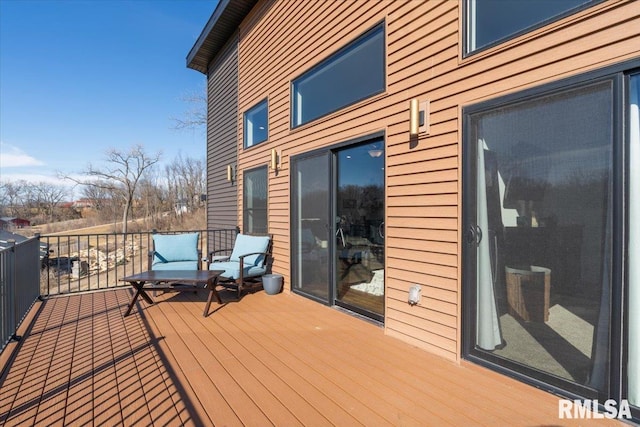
x=224 y=21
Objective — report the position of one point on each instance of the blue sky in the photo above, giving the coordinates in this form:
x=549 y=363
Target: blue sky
x=80 y=77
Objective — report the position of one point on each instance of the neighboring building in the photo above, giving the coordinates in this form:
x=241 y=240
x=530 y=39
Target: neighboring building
x=7 y=239
x=510 y=206
x=181 y=207
x=83 y=204
x=7 y=223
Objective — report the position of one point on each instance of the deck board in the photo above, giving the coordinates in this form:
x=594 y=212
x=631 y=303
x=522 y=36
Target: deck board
x=351 y=372
x=263 y=360
x=80 y=393
x=106 y=407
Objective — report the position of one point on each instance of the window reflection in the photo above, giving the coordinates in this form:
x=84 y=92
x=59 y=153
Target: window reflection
x=350 y=75
x=255 y=201
x=256 y=125
x=489 y=21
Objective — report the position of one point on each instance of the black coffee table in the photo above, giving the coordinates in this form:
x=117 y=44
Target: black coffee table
x=175 y=281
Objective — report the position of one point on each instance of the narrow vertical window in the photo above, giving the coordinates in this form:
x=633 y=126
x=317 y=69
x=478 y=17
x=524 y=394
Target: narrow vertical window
x=255 y=201
x=256 y=124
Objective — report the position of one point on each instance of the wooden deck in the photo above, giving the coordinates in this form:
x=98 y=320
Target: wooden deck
x=267 y=360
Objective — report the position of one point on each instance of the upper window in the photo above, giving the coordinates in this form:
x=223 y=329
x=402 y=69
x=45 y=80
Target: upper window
x=255 y=201
x=491 y=21
x=256 y=126
x=350 y=75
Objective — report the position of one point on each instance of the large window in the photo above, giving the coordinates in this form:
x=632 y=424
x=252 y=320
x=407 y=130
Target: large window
x=256 y=124
x=352 y=74
x=255 y=201
x=491 y=21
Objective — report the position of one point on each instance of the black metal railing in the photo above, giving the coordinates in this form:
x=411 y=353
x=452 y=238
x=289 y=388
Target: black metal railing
x=56 y=264
x=86 y=262
x=19 y=285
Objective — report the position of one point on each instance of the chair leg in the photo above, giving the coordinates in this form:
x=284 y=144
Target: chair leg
x=241 y=278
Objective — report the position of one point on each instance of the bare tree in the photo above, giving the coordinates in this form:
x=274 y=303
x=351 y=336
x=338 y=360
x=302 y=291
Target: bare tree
x=121 y=175
x=38 y=201
x=98 y=195
x=11 y=196
x=196 y=116
x=186 y=181
x=152 y=199
x=47 y=197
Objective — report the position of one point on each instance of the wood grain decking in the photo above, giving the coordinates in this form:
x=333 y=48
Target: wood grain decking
x=266 y=360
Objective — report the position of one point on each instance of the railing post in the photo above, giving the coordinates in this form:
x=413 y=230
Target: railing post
x=12 y=290
x=45 y=256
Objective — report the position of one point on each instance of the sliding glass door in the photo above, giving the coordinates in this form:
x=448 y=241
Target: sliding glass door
x=311 y=226
x=359 y=255
x=539 y=240
x=338 y=226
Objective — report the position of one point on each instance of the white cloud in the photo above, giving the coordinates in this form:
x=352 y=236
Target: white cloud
x=13 y=157
x=74 y=190
x=33 y=178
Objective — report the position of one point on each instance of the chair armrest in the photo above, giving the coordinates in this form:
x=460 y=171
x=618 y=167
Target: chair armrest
x=211 y=258
x=253 y=253
x=212 y=255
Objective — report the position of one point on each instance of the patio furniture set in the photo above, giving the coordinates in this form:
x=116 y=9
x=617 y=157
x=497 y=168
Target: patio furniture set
x=175 y=265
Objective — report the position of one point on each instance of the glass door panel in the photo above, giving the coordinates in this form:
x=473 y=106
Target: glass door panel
x=633 y=368
x=359 y=228
x=542 y=236
x=311 y=226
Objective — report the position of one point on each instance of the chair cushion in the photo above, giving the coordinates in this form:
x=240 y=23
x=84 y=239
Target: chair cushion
x=232 y=269
x=246 y=244
x=175 y=247
x=176 y=265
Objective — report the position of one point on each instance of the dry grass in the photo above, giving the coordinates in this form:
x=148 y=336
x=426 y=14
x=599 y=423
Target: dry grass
x=189 y=221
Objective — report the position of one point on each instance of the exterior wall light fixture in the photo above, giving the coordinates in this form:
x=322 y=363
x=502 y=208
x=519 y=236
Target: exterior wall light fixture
x=274 y=159
x=229 y=173
x=419 y=117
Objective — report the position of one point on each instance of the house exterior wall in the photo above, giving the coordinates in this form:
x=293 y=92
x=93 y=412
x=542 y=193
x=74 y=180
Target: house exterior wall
x=222 y=133
x=281 y=40
x=278 y=41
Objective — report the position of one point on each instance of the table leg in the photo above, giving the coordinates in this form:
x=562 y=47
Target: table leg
x=138 y=286
x=211 y=285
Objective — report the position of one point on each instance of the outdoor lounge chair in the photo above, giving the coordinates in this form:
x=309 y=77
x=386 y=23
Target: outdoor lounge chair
x=175 y=252
x=248 y=262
